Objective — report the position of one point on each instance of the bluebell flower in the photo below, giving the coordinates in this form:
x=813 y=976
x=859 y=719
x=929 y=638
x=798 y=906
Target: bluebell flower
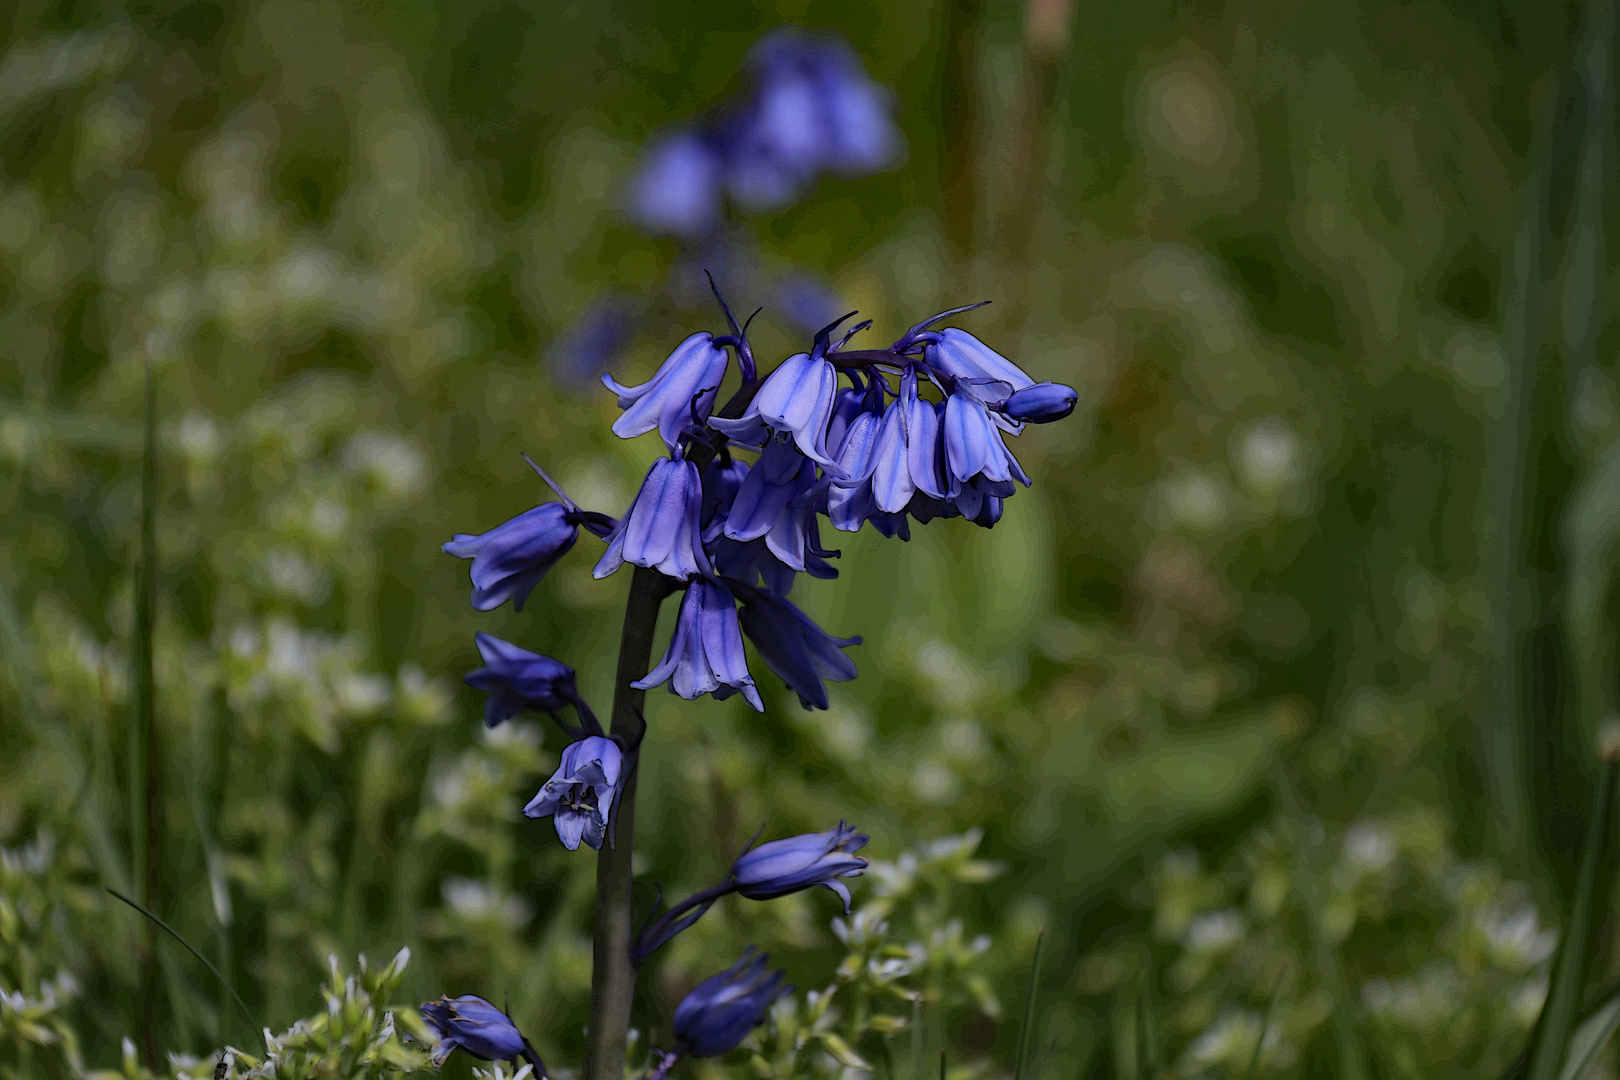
x=721 y=1011
x=474 y=1025
x=1041 y=403
x=802 y=862
x=663 y=527
x=677 y=188
x=705 y=654
x=905 y=460
x=959 y=353
x=722 y=479
x=812 y=109
x=509 y=560
x=796 y=399
x=594 y=339
x=801 y=653
x=850 y=500
x=975 y=452
x=776 y=501
x=516 y=679
x=666 y=401
x=580 y=795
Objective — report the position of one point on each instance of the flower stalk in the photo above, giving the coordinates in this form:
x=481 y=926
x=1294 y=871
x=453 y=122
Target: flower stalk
x=613 y=975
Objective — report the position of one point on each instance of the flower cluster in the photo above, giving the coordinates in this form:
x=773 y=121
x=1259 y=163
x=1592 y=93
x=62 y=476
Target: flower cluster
x=810 y=109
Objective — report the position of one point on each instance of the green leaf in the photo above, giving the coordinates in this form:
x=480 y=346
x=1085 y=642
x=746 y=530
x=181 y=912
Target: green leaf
x=1029 y=1007
x=1265 y=1025
x=1590 y=1039
x=1552 y=1033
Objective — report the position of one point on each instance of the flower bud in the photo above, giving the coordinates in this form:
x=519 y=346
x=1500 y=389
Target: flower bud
x=474 y=1025
x=724 y=1008
x=1041 y=403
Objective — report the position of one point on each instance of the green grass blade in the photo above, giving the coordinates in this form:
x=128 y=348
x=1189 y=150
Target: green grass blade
x=172 y=932
x=1029 y=1009
x=1152 y=1064
x=1265 y=1026
x=1553 y=1029
x=1590 y=1039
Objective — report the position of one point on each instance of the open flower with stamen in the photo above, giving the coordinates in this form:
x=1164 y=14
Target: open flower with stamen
x=472 y=1024
x=678 y=397
x=721 y=1011
x=662 y=529
x=509 y=560
x=798 y=651
x=801 y=862
x=580 y=795
x=516 y=679
x=705 y=654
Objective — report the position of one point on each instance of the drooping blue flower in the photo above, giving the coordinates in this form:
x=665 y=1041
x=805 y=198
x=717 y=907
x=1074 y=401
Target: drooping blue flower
x=474 y=1025
x=580 y=795
x=516 y=679
x=721 y=1011
x=776 y=502
x=666 y=401
x=509 y=560
x=802 y=862
x=850 y=500
x=705 y=654
x=904 y=461
x=722 y=479
x=1041 y=403
x=975 y=452
x=796 y=399
x=959 y=353
x=798 y=651
x=662 y=529
x=677 y=188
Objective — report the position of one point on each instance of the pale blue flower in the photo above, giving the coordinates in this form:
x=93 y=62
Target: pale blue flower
x=662 y=529
x=705 y=654
x=580 y=795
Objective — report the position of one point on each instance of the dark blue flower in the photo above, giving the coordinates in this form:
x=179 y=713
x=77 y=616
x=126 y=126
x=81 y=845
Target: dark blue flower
x=509 y=560
x=677 y=188
x=796 y=399
x=1041 y=403
x=581 y=793
x=776 y=501
x=474 y=1025
x=722 y=479
x=802 y=862
x=724 y=1008
x=705 y=654
x=662 y=529
x=850 y=499
x=666 y=401
x=516 y=679
x=801 y=653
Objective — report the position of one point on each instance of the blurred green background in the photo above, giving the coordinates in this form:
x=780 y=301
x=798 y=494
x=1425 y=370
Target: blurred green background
x=1291 y=664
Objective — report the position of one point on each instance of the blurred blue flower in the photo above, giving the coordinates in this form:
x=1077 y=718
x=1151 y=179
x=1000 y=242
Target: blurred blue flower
x=662 y=529
x=580 y=795
x=812 y=109
x=509 y=560
x=705 y=654
x=807 y=301
x=802 y=862
x=665 y=401
x=724 y=1008
x=516 y=679
x=1041 y=403
x=474 y=1025
x=800 y=653
x=677 y=188
x=594 y=340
